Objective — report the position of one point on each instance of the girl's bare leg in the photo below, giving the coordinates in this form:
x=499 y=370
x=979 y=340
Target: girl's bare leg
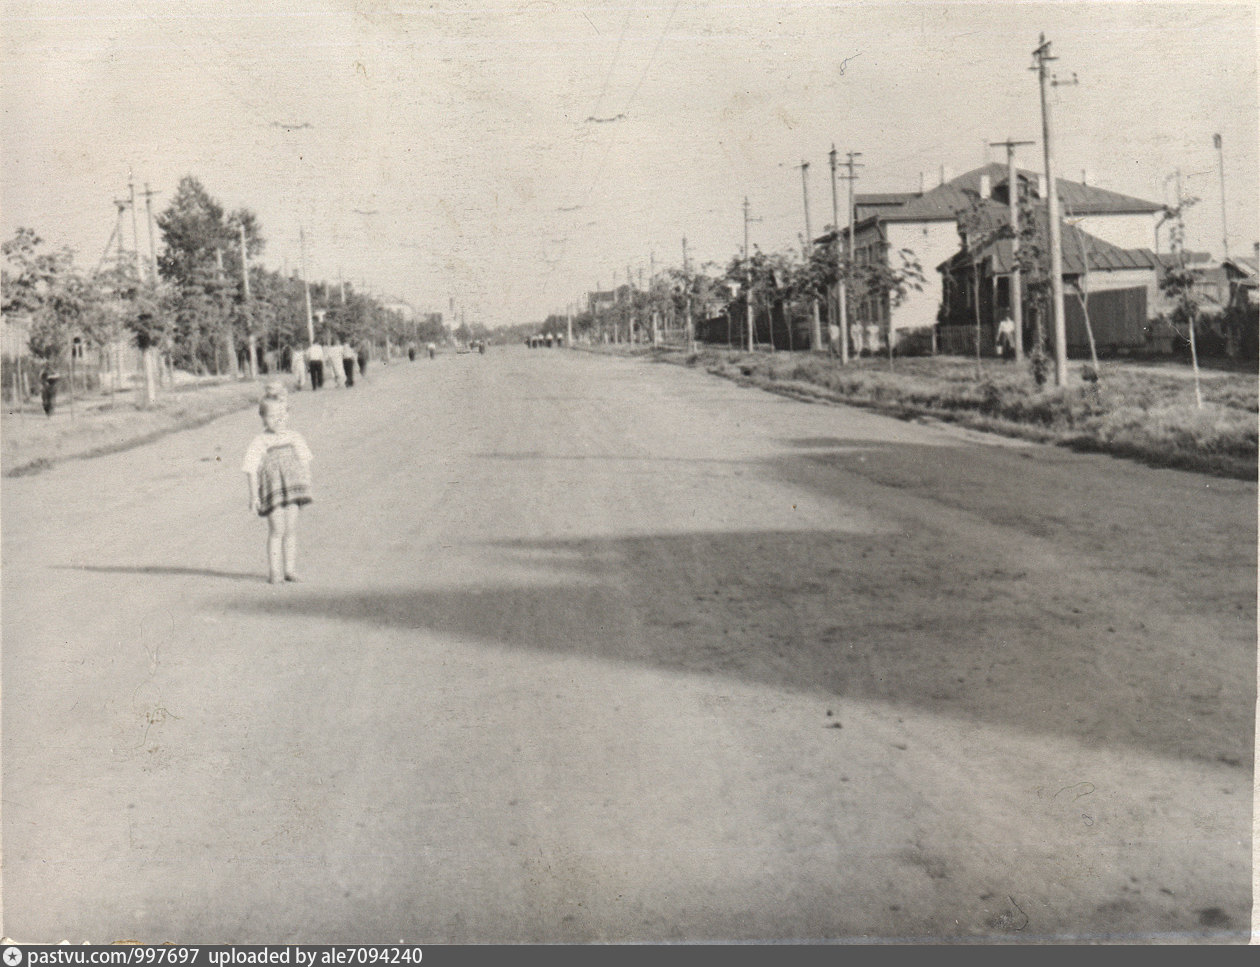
x=290 y=541
x=276 y=538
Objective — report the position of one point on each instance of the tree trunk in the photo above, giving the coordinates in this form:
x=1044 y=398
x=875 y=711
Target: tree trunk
x=229 y=345
x=150 y=381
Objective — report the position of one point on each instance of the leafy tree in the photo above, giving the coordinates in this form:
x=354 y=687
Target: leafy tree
x=46 y=287
x=982 y=223
x=200 y=246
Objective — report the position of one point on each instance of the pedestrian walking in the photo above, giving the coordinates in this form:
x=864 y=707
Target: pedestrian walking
x=347 y=363
x=363 y=360
x=332 y=363
x=48 y=380
x=277 y=470
x=432 y=350
x=315 y=362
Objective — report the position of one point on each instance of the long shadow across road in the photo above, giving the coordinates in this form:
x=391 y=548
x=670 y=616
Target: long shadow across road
x=847 y=615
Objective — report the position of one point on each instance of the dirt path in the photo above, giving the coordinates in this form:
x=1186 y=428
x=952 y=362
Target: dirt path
x=591 y=649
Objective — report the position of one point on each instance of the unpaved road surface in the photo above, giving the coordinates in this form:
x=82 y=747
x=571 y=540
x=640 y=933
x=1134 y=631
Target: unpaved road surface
x=591 y=649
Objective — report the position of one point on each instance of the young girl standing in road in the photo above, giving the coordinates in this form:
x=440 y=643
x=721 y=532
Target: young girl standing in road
x=277 y=467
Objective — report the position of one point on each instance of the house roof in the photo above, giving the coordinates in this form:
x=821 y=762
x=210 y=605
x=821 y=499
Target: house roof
x=944 y=201
x=892 y=199
x=1103 y=256
x=1244 y=266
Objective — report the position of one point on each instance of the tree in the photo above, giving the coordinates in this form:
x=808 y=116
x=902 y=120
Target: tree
x=1179 y=284
x=762 y=279
x=46 y=287
x=982 y=223
x=887 y=285
x=201 y=246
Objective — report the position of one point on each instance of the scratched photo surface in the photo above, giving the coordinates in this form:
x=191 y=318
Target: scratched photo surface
x=544 y=642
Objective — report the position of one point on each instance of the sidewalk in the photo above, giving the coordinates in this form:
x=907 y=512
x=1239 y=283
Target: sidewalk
x=31 y=441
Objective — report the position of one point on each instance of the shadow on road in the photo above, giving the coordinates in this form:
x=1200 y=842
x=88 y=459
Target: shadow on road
x=842 y=615
x=203 y=572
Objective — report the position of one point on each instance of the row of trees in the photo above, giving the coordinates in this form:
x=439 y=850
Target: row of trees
x=786 y=285
x=210 y=310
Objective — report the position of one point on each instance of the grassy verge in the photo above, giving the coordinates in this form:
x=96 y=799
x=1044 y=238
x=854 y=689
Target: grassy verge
x=1143 y=412
x=33 y=442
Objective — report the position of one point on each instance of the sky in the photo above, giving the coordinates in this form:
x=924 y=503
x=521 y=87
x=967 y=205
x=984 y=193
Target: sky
x=508 y=156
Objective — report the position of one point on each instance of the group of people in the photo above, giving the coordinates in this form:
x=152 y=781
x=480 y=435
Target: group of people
x=335 y=362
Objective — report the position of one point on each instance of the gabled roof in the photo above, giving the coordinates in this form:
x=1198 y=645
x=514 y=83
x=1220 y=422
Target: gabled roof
x=885 y=198
x=943 y=201
x=1244 y=266
x=1103 y=256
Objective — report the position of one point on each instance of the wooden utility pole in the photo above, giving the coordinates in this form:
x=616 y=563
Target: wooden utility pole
x=842 y=321
x=1043 y=57
x=851 y=177
x=148 y=209
x=1220 y=156
x=1016 y=290
x=815 y=332
x=253 y=338
x=135 y=227
x=691 y=331
x=656 y=315
x=748 y=278
x=306 y=288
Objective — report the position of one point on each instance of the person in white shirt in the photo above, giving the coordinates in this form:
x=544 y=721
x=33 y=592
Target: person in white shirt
x=315 y=362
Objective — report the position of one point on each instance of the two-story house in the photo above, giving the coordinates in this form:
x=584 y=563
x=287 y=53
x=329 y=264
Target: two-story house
x=926 y=224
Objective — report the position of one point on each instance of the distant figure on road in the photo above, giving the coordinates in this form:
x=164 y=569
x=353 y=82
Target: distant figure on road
x=432 y=350
x=363 y=358
x=411 y=353
x=277 y=471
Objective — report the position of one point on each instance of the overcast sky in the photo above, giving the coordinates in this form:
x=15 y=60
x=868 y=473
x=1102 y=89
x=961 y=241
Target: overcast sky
x=513 y=155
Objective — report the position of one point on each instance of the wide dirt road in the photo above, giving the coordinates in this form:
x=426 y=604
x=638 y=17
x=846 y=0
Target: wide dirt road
x=594 y=649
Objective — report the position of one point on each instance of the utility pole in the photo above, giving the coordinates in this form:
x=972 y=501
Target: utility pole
x=842 y=313
x=748 y=278
x=1042 y=54
x=148 y=208
x=1016 y=290
x=815 y=332
x=306 y=287
x=851 y=177
x=691 y=332
x=656 y=316
x=253 y=337
x=1220 y=155
x=135 y=228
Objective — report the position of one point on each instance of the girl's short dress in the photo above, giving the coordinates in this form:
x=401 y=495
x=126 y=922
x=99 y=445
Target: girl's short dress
x=283 y=479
